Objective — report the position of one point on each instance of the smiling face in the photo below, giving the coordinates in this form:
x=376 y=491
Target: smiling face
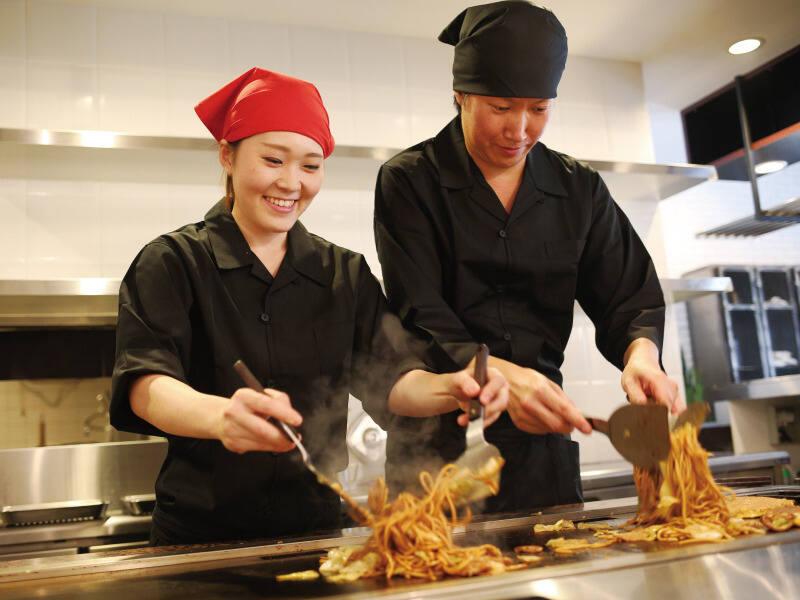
x=275 y=176
x=499 y=132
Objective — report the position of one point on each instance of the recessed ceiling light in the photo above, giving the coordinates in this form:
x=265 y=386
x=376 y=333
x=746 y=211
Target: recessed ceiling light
x=770 y=166
x=745 y=46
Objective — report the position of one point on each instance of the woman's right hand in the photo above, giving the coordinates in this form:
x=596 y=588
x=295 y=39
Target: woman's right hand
x=243 y=425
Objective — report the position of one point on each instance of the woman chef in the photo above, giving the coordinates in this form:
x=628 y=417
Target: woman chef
x=485 y=235
x=308 y=317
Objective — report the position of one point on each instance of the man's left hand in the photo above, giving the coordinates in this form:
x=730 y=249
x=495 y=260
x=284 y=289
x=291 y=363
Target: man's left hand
x=643 y=380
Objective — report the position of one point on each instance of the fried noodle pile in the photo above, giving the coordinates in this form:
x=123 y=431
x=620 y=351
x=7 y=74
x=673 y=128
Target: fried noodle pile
x=412 y=536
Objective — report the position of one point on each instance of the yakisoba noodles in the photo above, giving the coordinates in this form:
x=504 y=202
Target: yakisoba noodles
x=680 y=501
x=412 y=536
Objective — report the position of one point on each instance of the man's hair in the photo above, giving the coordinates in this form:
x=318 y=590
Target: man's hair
x=456 y=105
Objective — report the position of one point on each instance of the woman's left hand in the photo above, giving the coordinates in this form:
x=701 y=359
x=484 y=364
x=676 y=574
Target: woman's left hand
x=493 y=396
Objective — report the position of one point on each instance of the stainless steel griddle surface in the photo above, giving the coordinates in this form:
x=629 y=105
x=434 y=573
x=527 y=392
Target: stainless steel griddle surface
x=255 y=577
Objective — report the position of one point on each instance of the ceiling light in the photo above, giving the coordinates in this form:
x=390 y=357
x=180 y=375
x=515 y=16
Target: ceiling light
x=770 y=166
x=745 y=46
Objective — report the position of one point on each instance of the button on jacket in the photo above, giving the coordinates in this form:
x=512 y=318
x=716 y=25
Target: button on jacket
x=460 y=270
x=196 y=300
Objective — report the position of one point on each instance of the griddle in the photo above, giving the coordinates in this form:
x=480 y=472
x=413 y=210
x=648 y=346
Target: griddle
x=166 y=573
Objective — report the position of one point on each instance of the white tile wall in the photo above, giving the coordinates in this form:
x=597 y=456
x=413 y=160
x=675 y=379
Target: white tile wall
x=257 y=44
x=56 y=409
x=12 y=29
x=12 y=92
x=15 y=223
x=61 y=237
x=130 y=38
x=196 y=43
x=61 y=32
x=130 y=100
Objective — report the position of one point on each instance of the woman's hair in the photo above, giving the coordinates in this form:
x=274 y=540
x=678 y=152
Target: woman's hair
x=228 y=179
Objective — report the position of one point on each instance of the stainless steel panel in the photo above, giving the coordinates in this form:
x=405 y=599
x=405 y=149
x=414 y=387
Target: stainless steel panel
x=85 y=302
x=106 y=471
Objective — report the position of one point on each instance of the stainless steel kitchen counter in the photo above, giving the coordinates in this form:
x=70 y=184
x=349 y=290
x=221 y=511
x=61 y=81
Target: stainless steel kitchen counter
x=605 y=481
x=756 y=567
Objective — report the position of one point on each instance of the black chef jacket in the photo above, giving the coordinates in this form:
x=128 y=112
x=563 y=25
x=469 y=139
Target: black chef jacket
x=460 y=270
x=196 y=300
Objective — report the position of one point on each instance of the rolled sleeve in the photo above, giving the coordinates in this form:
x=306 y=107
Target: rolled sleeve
x=153 y=329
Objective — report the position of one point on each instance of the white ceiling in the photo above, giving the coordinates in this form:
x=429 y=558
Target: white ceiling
x=681 y=43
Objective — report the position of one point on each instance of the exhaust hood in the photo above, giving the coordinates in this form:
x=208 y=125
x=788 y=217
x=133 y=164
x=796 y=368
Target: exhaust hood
x=86 y=302
x=761 y=221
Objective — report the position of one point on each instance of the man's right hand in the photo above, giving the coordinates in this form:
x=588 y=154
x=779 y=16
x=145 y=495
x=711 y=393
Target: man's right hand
x=537 y=405
x=243 y=425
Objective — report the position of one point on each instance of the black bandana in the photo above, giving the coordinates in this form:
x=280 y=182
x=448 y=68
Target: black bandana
x=510 y=49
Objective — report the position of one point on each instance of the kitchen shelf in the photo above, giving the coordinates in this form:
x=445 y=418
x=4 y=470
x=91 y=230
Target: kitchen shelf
x=771 y=388
x=93 y=301
x=689 y=288
x=629 y=181
x=85 y=302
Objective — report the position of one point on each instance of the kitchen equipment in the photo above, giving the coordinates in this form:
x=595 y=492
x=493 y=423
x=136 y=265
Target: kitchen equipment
x=639 y=432
x=480 y=457
x=52 y=512
x=139 y=504
x=252 y=382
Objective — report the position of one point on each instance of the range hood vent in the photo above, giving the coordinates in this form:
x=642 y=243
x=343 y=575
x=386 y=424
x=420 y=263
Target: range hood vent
x=761 y=221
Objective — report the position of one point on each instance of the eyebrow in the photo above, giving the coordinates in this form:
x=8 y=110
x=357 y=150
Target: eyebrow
x=288 y=150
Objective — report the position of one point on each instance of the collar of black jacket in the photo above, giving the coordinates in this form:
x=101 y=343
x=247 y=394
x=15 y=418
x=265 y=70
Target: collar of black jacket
x=454 y=162
x=231 y=250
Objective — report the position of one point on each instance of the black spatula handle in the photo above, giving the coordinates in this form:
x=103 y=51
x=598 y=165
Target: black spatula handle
x=598 y=424
x=480 y=374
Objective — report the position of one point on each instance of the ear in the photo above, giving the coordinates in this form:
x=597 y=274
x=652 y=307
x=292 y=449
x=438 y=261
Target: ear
x=226 y=156
x=459 y=96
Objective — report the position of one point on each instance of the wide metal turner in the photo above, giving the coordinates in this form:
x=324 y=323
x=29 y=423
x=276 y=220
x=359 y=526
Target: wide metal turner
x=252 y=382
x=639 y=432
x=481 y=462
x=695 y=414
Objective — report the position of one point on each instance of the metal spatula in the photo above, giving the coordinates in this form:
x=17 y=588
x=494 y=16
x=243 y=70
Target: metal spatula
x=695 y=414
x=639 y=432
x=252 y=382
x=480 y=458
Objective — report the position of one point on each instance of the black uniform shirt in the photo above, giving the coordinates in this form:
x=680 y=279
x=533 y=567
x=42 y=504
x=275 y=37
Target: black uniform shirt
x=460 y=270
x=197 y=299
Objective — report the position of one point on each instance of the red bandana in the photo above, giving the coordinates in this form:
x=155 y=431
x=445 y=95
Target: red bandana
x=258 y=101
